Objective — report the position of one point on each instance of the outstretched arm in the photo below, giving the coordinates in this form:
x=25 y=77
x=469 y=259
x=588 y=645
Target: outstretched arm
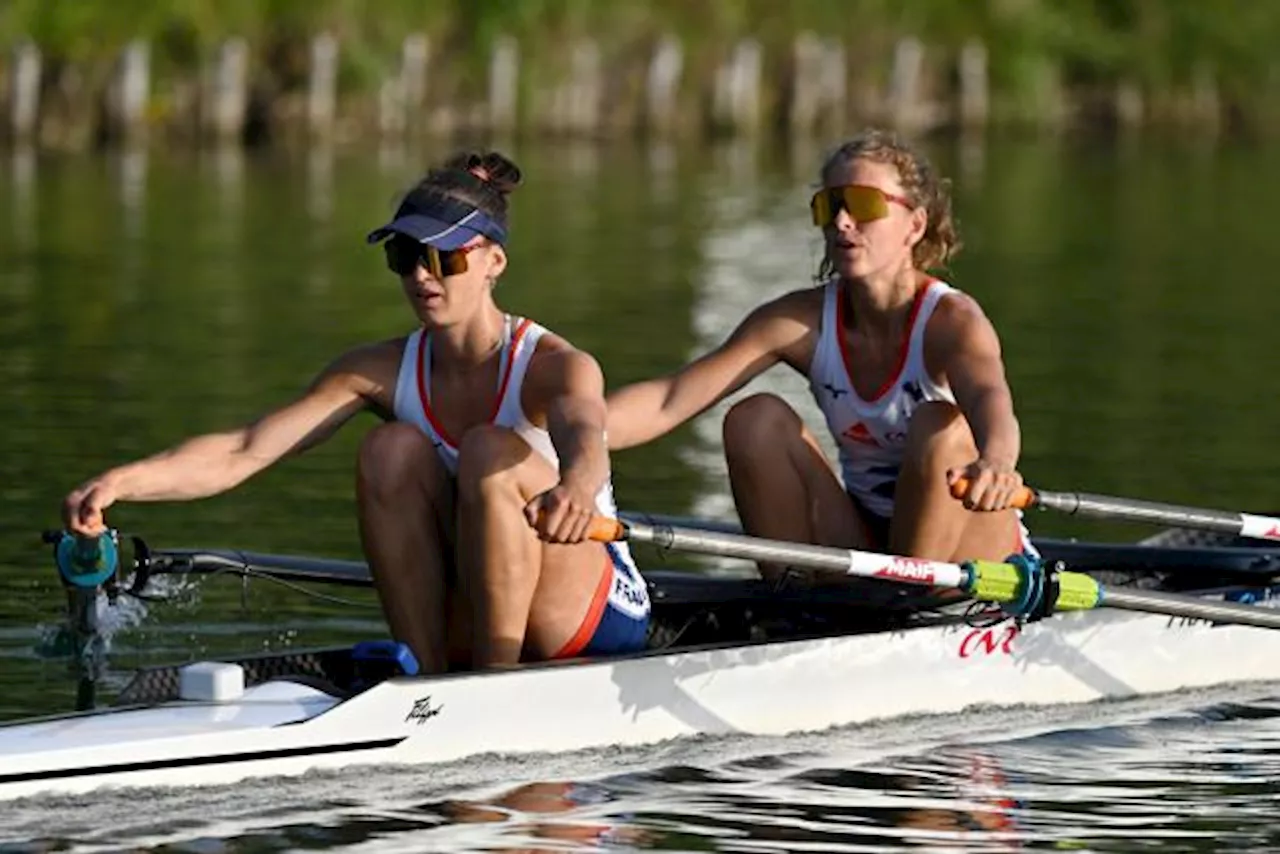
x=213 y=463
x=776 y=331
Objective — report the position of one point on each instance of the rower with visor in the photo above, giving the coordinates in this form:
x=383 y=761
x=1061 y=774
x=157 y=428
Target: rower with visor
x=476 y=493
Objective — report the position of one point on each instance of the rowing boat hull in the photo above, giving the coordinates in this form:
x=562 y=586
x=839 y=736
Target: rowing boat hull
x=287 y=728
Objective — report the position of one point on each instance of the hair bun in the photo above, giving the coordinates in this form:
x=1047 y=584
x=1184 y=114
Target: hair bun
x=492 y=168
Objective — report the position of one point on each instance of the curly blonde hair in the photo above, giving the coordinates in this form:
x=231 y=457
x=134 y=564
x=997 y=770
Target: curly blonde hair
x=921 y=184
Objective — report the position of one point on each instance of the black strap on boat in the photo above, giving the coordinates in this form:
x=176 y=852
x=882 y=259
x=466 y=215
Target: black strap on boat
x=1049 y=590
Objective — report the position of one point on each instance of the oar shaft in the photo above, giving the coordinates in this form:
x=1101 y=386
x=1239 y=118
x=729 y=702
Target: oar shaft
x=1137 y=510
x=986 y=581
x=907 y=570
x=1220 y=611
x=1152 y=512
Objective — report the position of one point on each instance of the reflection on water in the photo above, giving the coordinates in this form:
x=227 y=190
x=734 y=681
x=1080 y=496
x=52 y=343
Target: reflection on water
x=1117 y=777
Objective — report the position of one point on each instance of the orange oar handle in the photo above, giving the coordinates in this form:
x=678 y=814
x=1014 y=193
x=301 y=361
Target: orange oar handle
x=1022 y=499
x=602 y=529
x=606 y=530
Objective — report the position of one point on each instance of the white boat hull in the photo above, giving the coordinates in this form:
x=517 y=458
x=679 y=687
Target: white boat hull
x=285 y=728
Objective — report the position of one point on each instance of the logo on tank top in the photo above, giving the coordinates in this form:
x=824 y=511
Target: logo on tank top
x=860 y=434
x=913 y=390
x=833 y=391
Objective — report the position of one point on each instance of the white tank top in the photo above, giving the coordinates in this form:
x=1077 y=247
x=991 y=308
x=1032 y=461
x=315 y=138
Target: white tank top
x=413 y=405
x=871 y=434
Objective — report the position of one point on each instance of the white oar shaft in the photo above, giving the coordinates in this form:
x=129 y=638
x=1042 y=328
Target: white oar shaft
x=993 y=582
x=1158 y=513
x=1136 y=510
x=907 y=570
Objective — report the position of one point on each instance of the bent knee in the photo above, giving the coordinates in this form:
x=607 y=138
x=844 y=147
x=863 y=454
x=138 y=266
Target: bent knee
x=487 y=453
x=758 y=421
x=939 y=430
x=395 y=452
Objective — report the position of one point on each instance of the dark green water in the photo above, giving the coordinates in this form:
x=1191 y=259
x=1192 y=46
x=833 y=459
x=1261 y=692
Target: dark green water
x=148 y=297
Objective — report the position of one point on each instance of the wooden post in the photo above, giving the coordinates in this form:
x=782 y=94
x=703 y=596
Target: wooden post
x=807 y=54
x=323 y=89
x=736 y=104
x=585 y=89
x=905 y=109
x=129 y=91
x=226 y=97
x=504 y=83
x=974 y=90
x=24 y=91
x=1129 y=104
x=415 y=54
x=391 y=107
x=663 y=85
x=835 y=86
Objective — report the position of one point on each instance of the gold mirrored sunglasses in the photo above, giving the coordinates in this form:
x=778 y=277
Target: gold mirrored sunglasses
x=863 y=203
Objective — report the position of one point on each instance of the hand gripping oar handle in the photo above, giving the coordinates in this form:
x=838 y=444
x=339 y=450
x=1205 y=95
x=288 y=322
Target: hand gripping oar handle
x=1134 y=510
x=1019 y=582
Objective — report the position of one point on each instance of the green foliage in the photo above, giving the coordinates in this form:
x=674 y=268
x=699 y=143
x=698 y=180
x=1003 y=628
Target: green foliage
x=1162 y=45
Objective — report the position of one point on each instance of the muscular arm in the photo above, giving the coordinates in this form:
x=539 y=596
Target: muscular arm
x=967 y=350
x=781 y=330
x=571 y=384
x=213 y=463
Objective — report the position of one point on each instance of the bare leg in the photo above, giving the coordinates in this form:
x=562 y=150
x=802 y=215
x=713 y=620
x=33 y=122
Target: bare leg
x=405 y=505
x=516 y=605
x=782 y=485
x=927 y=521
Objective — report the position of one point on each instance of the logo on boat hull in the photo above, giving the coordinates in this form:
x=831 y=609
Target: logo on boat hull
x=423 y=711
x=909 y=569
x=989 y=641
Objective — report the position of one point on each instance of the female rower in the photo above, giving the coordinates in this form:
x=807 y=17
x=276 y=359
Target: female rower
x=906 y=369
x=475 y=496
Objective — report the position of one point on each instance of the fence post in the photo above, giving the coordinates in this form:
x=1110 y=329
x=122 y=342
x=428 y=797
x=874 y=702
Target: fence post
x=129 y=91
x=905 y=110
x=504 y=84
x=24 y=91
x=323 y=89
x=974 y=88
x=736 y=104
x=227 y=92
x=663 y=85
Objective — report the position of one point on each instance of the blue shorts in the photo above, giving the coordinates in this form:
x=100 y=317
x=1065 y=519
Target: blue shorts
x=617 y=620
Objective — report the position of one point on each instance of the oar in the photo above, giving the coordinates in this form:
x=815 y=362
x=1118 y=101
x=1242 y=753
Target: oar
x=1019 y=583
x=1135 y=510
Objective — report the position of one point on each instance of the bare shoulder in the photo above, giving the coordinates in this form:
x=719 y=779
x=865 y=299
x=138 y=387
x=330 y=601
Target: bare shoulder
x=557 y=363
x=795 y=308
x=369 y=370
x=959 y=325
x=786 y=326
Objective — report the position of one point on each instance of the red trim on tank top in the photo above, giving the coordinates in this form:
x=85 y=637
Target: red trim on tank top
x=425 y=399
x=903 y=349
